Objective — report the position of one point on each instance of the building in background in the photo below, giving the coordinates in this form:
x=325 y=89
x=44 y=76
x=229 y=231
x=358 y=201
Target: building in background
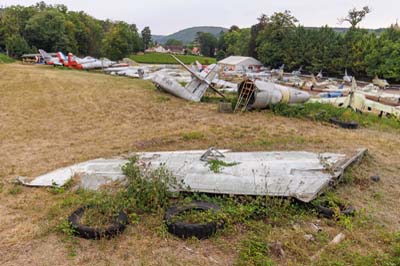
x=240 y=63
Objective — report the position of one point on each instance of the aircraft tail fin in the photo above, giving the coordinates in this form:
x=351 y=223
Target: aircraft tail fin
x=353 y=85
x=199 y=85
x=313 y=80
x=62 y=57
x=45 y=55
x=199 y=66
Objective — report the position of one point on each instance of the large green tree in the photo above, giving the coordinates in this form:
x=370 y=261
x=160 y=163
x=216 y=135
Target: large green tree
x=146 y=37
x=122 y=40
x=208 y=43
x=48 y=30
x=272 y=41
x=16 y=45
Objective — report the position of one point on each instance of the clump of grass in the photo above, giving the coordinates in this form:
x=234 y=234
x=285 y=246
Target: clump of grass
x=148 y=191
x=217 y=165
x=197 y=216
x=324 y=112
x=254 y=251
x=69 y=231
x=163 y=99
x=15 y=190
x=342 y=255
x=195 y=135
x=96 y=217
x=243 y=209
x=329 y=200
x=5 y=59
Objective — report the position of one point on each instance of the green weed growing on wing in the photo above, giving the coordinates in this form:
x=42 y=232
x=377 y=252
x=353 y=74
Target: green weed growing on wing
x=149 y=191
x=217 y=165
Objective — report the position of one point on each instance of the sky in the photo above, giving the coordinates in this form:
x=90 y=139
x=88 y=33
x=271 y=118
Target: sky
x=168 y=16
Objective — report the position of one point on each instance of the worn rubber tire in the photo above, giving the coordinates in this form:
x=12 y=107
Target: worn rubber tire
x=346 y=125
x=186 y=230
x=117 y=227
x=329 y=213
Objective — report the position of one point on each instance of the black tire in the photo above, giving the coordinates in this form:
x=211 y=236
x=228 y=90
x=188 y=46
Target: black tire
x=117 y=227
x=346 y=125
x=329 y=213
x=186 y=230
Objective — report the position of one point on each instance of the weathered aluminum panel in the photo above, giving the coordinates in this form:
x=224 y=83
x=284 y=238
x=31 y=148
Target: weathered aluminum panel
x=301 y=175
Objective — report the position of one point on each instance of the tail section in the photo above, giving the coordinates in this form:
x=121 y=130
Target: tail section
x=63 y=59
x=199 y=66
x=313 y=80
x=47 y=58
x=320 y=75
x=353 y=85
x=199 y=86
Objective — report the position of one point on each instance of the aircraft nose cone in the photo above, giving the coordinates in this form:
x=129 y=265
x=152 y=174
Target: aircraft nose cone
x=300 y=97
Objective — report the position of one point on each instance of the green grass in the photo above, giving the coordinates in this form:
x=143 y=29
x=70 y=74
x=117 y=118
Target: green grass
x=5 y=59
x=157 y=58
x=323 y=112
x=195 y=135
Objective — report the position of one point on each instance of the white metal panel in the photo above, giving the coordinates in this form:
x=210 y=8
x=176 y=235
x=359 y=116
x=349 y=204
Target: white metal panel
x=301 y=175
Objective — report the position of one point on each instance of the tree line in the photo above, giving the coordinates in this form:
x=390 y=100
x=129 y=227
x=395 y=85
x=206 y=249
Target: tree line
x=54 y=28
x=278 y=39
x=274 y=40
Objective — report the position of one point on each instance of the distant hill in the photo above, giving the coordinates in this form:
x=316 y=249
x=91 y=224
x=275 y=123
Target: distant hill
x=344 y=30
x=188 y=35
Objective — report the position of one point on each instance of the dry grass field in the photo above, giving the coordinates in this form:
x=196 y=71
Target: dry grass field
x=50 y=118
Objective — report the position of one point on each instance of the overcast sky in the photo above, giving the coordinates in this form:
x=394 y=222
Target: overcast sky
x=168 y=16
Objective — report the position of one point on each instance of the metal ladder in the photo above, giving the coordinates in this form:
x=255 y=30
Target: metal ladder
x=247 y=91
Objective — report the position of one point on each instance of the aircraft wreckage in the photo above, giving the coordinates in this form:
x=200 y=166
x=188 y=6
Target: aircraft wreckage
x=364 y=102
x=260 y=94
x=301 y=175
x=194 y=90
x=257 y=94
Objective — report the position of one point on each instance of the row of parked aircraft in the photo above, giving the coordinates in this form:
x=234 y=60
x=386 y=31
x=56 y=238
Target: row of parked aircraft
x=73 y=61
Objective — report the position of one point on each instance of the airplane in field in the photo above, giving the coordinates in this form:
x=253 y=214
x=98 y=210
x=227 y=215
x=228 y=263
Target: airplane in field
x=360 y=101
x=50 y=60
x=278 y=71
x=346 y=77
x=297 y=72
x=320 y=75
x=194 y=90
x=324 y=84
x=381 y=83
x=88 y=62
x=73 y=61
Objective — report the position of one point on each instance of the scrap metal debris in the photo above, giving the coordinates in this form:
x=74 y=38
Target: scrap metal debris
x=301 y=175
x=257 y=87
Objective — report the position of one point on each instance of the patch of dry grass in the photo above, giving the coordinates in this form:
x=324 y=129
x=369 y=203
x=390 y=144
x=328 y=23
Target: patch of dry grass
x=51 y=118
